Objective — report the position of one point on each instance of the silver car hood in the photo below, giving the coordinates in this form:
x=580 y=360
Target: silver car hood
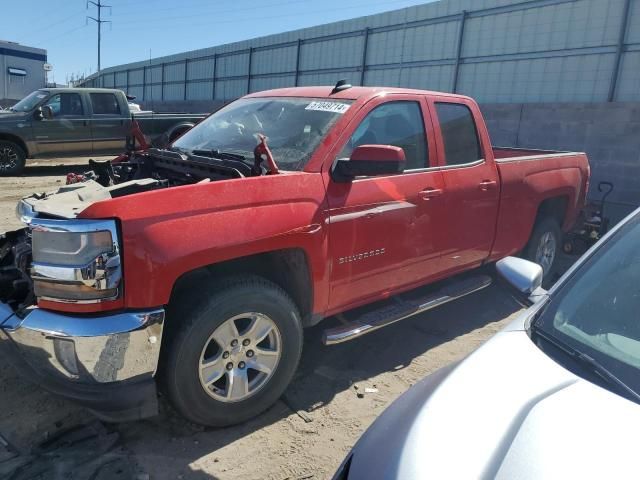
x=507 y=411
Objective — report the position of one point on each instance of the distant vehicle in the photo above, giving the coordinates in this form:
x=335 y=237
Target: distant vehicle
x=279 y=210
x=78 y=121
x=554 y=395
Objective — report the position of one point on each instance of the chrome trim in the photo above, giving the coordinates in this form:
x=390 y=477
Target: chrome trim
x=541 y=156
x=102 y=273
x=475 y=163
x=101 y=349
x=25 y=212
x=363 y=326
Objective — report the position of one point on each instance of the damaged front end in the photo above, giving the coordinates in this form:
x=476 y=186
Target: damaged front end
x=16 y=286
x=105 y=361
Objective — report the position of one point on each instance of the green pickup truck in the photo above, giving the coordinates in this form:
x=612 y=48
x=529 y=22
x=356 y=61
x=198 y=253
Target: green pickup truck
x=58 y=122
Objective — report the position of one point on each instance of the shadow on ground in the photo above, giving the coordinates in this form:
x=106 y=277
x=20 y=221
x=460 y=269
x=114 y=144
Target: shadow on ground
x=50 y=170
x=96 y=451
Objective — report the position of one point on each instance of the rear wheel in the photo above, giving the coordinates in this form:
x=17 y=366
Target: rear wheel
x=12 y=158
x=544 y=245
x=235 y=353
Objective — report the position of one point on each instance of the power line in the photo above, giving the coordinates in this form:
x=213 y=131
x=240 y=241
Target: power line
x=99 y=21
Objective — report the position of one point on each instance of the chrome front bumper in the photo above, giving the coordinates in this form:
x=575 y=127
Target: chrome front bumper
x=90 y=359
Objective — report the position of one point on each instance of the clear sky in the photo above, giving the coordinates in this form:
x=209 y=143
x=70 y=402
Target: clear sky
x=163 y=26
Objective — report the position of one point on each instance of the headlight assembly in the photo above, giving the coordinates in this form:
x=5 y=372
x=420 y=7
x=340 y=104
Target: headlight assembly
x=75 y=260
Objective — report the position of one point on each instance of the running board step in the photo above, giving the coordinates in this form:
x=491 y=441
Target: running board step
x=370 y=321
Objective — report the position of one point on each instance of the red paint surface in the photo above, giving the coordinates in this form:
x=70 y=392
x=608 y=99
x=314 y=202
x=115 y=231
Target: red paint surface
x=364 y=240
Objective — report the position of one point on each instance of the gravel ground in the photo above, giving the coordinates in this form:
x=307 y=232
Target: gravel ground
x=304 y=436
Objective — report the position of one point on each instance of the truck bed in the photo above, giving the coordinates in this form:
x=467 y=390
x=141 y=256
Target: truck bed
x=527 y=178
x=514 y=154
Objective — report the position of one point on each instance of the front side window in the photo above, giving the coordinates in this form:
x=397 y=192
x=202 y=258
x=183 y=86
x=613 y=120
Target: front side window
x=105 y=104
x=459 y=134
x=65 y=104
x=294 y=128
x=598 y=310
x=29 y=102
x=394 y=123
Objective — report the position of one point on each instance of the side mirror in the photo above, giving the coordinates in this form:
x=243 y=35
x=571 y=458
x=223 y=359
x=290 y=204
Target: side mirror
x=47 y=112
x=523 y=275
x=369 y=161
x=37 y=114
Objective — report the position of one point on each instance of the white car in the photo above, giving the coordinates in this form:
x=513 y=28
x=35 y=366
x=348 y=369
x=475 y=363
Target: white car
x=553 y=395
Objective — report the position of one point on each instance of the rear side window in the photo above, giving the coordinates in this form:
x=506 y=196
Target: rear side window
x=459 y=134
x=105 y=104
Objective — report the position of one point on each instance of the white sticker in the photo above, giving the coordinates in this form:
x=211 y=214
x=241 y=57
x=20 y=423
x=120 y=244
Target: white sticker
x=334 y=107
x=41 y=95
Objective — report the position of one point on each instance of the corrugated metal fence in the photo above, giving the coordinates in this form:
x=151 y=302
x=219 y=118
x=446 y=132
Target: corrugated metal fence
x=494 y=50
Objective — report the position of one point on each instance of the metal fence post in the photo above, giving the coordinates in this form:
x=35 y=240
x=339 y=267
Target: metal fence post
x=365 y=44
x=161 y=82
x=144 y=83
x=620 y=48
x=249 y=70
x=186 y=67
x=298 y=62
x=456 y=68
x=213 y=83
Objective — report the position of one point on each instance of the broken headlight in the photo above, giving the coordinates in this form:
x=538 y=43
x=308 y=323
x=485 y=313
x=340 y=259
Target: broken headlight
x=75 y=260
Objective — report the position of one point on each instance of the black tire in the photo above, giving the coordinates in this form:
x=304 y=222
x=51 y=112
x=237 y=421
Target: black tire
x=198 y=321
x=12 y=158
x=544 y=226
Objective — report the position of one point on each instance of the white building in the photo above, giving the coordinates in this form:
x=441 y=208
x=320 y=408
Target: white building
x=21 y=71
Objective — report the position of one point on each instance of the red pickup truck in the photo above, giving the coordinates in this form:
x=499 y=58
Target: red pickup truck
x=200 y=265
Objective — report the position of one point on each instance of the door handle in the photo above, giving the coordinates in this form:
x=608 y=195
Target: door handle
x=487 y=185
x=429 y=193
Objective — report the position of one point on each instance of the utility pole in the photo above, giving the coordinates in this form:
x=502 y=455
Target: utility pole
x=99 y=21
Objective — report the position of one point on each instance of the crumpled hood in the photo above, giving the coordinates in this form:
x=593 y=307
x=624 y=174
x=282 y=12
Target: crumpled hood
x=68 y=201
x=507 y=411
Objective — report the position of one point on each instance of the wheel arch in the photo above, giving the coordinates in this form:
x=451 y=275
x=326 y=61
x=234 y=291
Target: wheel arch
x=177 y=130
x=17 y=140
x=554 y=207
x=288 y=268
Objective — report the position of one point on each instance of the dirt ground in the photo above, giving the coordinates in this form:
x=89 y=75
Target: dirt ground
x=304 y=436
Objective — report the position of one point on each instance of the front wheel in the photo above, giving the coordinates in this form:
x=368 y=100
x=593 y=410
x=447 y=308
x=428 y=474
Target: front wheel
x=12 y=158
x=544 y=246
x=235 y=353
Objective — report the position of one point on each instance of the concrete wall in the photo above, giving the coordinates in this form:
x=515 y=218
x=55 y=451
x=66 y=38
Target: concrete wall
x=608 y=132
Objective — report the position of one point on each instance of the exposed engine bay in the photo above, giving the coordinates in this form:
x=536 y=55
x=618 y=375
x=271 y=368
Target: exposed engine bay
x=138 y=172
x=16 y=288
x=144 y=171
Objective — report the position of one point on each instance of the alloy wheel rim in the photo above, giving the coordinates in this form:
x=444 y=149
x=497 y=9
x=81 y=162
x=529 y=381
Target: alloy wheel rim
x=546 y=251
x=240 y=357
x=8 y=158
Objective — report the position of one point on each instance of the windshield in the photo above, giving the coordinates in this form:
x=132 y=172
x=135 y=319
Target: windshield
x=597 y=311
x=294 y=127
x=29 y=102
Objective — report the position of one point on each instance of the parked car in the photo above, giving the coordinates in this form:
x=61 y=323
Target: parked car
x=215 y=253
x=554 y=395
x=78 y=121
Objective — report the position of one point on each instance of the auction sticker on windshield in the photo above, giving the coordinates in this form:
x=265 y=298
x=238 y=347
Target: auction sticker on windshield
x=334 y=107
